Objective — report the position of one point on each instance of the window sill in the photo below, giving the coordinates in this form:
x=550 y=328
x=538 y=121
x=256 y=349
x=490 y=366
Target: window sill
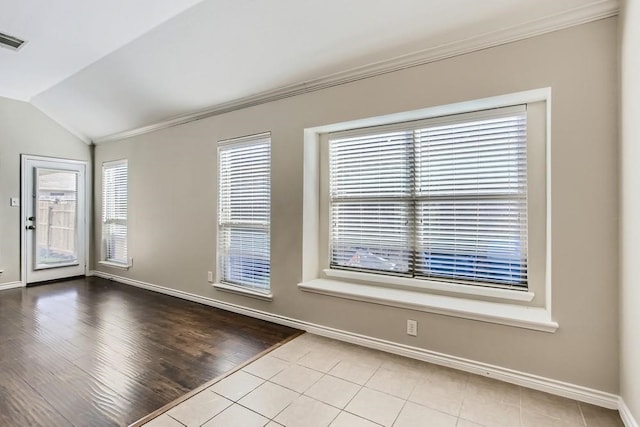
x=225 y=287
x=420 y=284
x=116 y=265
x=536 y=318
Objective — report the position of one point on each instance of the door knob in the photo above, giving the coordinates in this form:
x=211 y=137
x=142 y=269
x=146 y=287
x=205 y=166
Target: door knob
x=31 y=227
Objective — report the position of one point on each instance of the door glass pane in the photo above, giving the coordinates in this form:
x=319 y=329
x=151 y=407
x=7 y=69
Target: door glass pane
x=56 y=218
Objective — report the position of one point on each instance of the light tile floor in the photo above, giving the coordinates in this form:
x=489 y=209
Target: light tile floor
x=315 y=381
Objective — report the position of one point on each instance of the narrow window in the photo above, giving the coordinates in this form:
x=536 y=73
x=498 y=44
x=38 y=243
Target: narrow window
x=114 y=212
x=244 y=191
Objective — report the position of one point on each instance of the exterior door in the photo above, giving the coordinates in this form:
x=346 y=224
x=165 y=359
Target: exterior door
x=54 y=218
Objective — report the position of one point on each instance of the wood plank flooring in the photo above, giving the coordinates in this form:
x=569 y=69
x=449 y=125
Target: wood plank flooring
x=92 y=352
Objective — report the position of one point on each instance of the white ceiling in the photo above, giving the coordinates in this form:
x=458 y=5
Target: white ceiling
x=64 y=36
x=105 y=67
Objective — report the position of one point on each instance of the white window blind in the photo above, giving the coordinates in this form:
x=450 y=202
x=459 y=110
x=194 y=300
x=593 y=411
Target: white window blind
x=244 y=180
x=439 y=199
x=114 y=211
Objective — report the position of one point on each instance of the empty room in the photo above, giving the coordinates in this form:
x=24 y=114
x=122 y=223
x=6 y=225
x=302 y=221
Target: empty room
x=320 y=213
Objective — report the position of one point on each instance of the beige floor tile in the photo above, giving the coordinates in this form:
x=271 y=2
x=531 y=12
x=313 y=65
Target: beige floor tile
x=321 y=359
x=341 y=346
x=488 y=389
x=366 y=357
x=417 y=415
x=291 y=351
x=307 y=412
x=448 y=379
x=596 y=416
x=400 y=363
x=536 y=419
x=273 y=424
x=236 y=385
x=355 y=372
x=551 y=406
x=345 y=419
x=444 y=396
x=297 y=378
x=200 y=408
x=237 y=416
x=315 y=341
x=399 y=383
x=375 y=406
x=163 y=420
x=266 y=367
x=334 y=391
x=269 y=399
x=491 y=414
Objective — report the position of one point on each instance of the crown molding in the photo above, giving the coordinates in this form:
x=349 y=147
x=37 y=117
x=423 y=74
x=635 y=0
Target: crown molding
x=581 y=15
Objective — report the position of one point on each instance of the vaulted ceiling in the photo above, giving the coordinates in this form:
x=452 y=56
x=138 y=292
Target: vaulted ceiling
x=101 y=68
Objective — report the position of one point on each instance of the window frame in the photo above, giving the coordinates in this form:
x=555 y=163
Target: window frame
x=413 y=200
x=528 y=309
x=220 y=282
x=104 y=260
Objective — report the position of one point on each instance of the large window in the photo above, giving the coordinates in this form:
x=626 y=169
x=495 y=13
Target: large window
x=442 y=199
x=244 y=180
x=114 y=212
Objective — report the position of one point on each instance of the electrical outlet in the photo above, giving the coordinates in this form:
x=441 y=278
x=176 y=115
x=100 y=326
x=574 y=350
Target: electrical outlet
x=210 y=276
x=412 y=327
x=14 y=202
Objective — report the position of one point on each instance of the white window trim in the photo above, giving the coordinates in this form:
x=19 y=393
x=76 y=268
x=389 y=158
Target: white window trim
x=418 y=284
x=103 y=260
x=239 y=290
x=119 y=265
x=506 y=310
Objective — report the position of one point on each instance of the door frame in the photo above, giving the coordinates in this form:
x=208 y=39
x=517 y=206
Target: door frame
x=24 y=191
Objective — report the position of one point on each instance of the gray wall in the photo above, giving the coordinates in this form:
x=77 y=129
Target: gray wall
x=630 y=210
x=25 y=130
x=173 y=193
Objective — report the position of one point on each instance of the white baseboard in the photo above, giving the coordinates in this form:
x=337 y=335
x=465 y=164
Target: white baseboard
x=626 y=415
x=10 y=285
x=548 y=385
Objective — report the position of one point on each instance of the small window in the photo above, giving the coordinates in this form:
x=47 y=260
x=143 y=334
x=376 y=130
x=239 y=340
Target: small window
x=443 y=199
x=114 y=212
x=244 y=191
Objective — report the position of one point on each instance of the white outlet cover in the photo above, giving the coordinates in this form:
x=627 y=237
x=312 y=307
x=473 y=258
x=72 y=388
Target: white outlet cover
x=412 y=327
x=14 y=202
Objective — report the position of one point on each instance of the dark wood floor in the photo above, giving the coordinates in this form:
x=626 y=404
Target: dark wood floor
x=92 y=352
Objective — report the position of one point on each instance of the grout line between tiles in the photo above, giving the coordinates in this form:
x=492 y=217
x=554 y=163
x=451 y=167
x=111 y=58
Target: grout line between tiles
x=584 y=419
x=248 y=409
x=283 y=409
x=400 y=411
x=179 y=422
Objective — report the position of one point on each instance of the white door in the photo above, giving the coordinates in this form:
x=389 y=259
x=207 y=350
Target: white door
x=54 y=210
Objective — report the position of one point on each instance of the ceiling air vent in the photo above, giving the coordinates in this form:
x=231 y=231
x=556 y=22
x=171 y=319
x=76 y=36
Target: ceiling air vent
x=10 y=42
